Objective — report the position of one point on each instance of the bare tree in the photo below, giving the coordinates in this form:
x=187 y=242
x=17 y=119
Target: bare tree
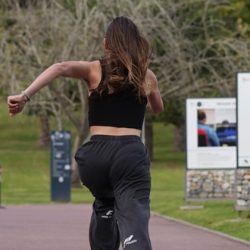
x=200 y=52
x=44 y=34
x=195 y=52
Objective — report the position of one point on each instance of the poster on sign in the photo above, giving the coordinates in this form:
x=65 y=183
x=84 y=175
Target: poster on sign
x=243 y=115
x=211 y=133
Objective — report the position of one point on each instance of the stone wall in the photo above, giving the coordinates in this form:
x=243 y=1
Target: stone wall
x=210 y=184
x=243 y=189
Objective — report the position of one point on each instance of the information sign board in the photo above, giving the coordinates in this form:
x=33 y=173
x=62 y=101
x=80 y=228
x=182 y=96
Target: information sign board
x=211 y=133
x=60 y=166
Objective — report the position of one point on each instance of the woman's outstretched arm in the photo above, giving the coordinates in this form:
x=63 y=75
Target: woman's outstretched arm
x=74 y=69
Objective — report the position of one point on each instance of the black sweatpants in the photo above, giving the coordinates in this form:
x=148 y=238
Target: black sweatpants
x=116 y=171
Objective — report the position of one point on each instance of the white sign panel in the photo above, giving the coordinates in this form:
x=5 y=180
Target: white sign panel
x=211 y=133
x=243 y=112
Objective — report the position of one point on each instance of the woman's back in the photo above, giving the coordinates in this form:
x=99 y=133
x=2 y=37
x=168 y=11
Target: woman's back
x=122 y=112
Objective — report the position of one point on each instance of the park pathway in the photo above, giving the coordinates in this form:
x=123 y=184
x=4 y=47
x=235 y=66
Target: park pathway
x=65 y=227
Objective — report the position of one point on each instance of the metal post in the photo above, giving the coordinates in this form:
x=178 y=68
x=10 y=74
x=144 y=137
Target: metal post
x=0 y=191
x=1 y=171
x=143 y=132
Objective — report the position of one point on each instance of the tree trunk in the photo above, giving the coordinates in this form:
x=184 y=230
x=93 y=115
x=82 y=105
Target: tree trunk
x=44 y=136
x=80 y=138
x=83 y=132
x=149 y=135
x=180 y=137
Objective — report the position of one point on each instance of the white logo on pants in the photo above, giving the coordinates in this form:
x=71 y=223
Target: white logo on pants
x=108 y=215
x=129 y=241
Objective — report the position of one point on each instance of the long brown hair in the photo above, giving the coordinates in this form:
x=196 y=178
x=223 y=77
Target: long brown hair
x=126 y=57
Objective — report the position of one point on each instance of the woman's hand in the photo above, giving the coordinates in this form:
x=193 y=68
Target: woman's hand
x=16 y=104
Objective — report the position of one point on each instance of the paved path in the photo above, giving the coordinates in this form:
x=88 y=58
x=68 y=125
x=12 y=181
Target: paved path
x=65 y=227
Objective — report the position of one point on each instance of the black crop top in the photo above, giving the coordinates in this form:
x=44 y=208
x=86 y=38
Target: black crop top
x=119 y=109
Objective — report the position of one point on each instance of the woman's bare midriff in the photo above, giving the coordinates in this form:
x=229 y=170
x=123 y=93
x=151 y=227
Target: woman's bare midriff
x=105 y=130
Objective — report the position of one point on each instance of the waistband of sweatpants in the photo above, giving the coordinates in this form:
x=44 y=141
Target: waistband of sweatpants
x=122 y=138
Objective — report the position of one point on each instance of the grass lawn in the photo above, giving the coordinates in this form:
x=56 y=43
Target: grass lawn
x=168 y=192
x=26 y=177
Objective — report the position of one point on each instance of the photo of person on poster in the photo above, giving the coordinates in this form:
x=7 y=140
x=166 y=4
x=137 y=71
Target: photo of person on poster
x=206 y=135
x=216 y=127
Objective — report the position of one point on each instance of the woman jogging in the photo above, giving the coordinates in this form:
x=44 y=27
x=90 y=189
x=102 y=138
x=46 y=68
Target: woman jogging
x=114 y=164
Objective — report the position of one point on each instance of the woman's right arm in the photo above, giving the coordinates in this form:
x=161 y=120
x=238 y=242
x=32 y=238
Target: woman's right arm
x=74 y=69
x=154 y=96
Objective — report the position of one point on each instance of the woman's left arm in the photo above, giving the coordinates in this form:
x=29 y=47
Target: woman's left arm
x=154 y=96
